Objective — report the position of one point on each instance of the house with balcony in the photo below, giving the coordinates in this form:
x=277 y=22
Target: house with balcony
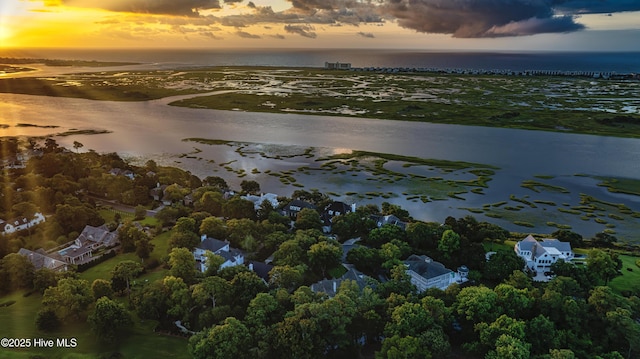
x=540 y=255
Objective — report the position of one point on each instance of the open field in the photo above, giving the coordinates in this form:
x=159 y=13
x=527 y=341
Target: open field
x=579 y=105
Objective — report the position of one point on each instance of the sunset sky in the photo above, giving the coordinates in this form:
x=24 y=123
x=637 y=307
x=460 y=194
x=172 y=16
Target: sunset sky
x=607 y=25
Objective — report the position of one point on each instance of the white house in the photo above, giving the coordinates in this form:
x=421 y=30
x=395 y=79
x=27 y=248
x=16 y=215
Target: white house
x=426 y=273
x=19 y=224
x=539 y=256
x=232 y=256
x=257 y=200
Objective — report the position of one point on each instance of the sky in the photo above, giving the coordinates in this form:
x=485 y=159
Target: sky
x=548 y=25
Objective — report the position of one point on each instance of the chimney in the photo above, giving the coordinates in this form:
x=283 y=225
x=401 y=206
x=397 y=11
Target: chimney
x=335 y=286
x=203 y=237
x=251 y=267
x=353 y=207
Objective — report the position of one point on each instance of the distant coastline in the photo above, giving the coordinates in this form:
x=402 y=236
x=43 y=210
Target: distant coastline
x=601 y=62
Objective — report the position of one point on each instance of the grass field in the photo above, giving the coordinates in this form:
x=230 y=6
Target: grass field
x=629 y=280
x=18 y=321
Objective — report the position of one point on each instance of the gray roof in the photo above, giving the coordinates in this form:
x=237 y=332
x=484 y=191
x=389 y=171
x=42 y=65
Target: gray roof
x=561 y=246
x=331 y=286
x=211 y=244
x=425 y=266
x=40 y=260
x=261 y=269
x=98 y=235
x=528 y=243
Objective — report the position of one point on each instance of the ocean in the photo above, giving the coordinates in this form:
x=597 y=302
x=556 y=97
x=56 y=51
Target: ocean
x=618 y=62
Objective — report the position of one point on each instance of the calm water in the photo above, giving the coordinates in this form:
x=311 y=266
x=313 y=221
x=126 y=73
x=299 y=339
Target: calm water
x=154 y=130
x=626 y=62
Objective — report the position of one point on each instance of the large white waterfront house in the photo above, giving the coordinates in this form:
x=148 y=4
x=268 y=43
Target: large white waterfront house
x=539 y=256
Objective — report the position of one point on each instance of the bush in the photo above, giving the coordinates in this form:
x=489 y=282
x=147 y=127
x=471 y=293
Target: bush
x=151 y=264
x=47 y=320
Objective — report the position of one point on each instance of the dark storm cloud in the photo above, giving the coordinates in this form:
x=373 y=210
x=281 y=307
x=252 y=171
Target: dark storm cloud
x=465 y=18
x=166 y=7
x=302 y=30
x=596 y=6
x=459 y=18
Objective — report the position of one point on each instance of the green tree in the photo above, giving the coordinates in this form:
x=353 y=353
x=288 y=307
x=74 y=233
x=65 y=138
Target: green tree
x=144 y=247
x=541 y=333
x=249 y=186
x=477 y=304
x=44 y=278
x=210 y=202
x=47 y=320
x=69 y=299
x=565 y=235
x=109 y=320
x=216 y=181
x=212 y=290
x=187 y=240
x=449 y=243
x=308 y=218
x=508 y=347
x=140 y=212
x=123 y=273
x=182 y=264
x=213 y=227
x=101 y=288
x=424 y=235
x=409 y=347
x=18 y=269
x=502 y=264
x=213 y=263
x=286 y=277
x=516 y=303
x=229 y=340
x=379 y=236
x=238 y=208
x=246 y=285
x=128 y=235
x=602 y=265
x=324 y=255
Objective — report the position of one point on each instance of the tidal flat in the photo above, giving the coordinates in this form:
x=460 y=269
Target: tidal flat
x=549 y=103
x=432 y=189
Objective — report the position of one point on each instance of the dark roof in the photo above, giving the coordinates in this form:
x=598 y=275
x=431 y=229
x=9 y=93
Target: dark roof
x=211 y=244
x=261 y=269
x=335 y=208
x=98 y=235
x=425 y=266
x=331 y=286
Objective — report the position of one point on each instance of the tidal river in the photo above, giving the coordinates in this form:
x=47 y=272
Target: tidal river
x=152 y=128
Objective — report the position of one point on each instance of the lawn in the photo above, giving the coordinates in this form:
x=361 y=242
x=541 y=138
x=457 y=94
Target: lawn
x=629 y=279
x=18 y=321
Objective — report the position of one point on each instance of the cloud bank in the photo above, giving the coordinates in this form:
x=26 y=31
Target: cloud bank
x=458 y=18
